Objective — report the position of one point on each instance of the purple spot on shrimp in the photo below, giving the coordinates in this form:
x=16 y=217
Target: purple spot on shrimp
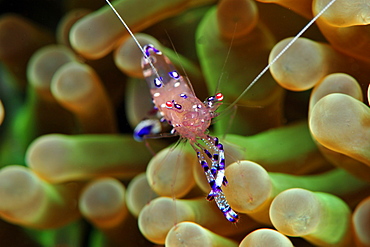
x=220 y=146
x=212 y=195
x=143 y=132
x=205 y=166
x=158 y=82
x=174 y=74
x=234 y=215
x=227 y=209
x=208 y=153
x=215 y=157
x=216 y=141
x=214 y=171
x=178 y=106
x=183 y=96
x=231 y=216
x=149 y=47
x=231 y=219
x=212 y=183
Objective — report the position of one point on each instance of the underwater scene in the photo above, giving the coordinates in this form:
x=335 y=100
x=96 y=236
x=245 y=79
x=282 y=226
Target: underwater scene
x=278 y=153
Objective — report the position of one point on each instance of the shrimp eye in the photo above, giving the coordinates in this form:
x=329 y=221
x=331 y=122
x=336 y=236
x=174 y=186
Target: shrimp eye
x=178 y=106
x=169 y=104
x=219 y=96
x=174 y=74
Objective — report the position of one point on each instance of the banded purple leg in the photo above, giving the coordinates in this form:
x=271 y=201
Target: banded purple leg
x=218 y=163
x=218 y=159
x=218 y=167
x=209 y=172
x=220 y=178
x=203 y=162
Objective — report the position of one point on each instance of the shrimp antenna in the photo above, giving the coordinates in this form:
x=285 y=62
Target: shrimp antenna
x=133 y=37
x=308 y=25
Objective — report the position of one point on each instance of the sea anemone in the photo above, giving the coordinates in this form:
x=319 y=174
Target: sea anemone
x=297 y=142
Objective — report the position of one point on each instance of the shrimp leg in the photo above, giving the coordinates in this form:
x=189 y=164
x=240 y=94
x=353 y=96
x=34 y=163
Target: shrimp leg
x=215 y=175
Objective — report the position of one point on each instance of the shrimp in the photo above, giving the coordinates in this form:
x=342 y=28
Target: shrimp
x=189 y=117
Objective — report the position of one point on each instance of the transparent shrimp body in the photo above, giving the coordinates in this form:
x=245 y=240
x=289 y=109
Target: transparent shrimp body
x=190 y=118
x=173 y=97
